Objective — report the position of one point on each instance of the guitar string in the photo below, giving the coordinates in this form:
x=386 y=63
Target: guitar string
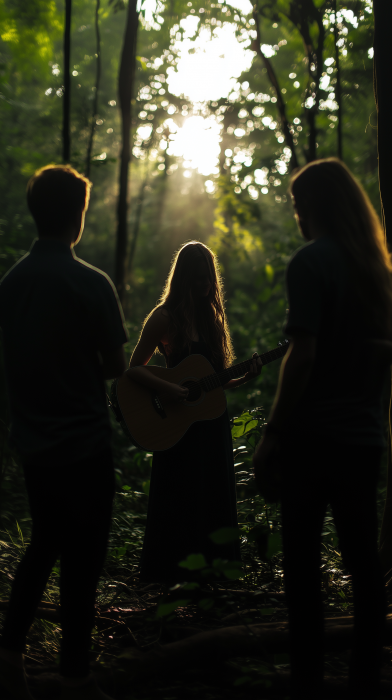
x=213 y=381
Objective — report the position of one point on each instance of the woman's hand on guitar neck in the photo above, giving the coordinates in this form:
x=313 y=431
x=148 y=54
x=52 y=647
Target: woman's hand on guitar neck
x=254 y=371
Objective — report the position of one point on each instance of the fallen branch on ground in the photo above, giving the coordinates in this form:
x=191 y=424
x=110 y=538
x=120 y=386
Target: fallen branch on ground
x=230 y=642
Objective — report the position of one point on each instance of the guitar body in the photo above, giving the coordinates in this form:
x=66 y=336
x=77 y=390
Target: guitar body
x=154 y=425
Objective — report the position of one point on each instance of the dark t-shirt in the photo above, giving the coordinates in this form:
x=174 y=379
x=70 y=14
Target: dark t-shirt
x=57 y=313
x=343 y=400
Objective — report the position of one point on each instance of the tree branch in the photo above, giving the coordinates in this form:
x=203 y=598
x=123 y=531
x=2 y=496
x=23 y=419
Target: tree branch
x=274 y=82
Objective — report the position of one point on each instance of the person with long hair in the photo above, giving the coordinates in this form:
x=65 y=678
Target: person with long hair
x=192 y=488
x=326 y=427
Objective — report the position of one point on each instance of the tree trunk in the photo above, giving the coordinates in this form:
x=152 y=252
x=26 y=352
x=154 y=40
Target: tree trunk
x=67 y=83
x=338 y=84
x=97 y=82
x=382 y=90
x=125 y=89
x=136 y=226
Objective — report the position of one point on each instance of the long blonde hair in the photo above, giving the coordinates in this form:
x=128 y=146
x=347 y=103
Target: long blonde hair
x=326 y=192
x=208 y=316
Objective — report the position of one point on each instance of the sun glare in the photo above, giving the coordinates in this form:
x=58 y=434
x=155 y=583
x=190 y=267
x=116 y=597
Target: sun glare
x=207 y=70
x=210 y=71
x=198 y=144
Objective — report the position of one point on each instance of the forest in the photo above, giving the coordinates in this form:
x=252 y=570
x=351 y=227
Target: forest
x=188 y=118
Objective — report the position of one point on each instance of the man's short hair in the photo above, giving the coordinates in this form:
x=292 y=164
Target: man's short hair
x=56 y=194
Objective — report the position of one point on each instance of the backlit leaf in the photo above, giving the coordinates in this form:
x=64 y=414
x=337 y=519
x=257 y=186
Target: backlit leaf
x=193 y=562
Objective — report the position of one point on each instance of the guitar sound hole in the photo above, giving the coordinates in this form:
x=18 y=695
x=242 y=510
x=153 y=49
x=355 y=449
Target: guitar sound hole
x=194 y=391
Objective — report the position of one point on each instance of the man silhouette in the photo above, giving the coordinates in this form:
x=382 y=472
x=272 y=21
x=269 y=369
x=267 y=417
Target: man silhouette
x=63 y=335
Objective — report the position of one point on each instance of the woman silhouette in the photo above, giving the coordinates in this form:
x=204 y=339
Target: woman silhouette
x=192 y=491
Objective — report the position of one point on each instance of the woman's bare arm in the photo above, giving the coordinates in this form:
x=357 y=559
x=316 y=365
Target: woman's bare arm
x=153 y=332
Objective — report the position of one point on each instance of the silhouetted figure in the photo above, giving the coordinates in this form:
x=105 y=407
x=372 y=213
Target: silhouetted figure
x=192 y=490
x=63 y=335
x=327 y=417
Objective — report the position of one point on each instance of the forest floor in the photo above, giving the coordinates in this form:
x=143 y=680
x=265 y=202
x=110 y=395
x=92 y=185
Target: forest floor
x=138 y=654
x=222 y=634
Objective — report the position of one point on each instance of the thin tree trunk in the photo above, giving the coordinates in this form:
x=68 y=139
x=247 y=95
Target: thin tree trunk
x=97 y=83
x=67 y=83
x=338 y=84
x=274 y=82
x=382 y=66
x=125 y=89
x=136 y=226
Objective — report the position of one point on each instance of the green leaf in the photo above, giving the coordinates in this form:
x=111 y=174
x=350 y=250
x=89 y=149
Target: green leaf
x=232 y=574
x=243 y=424
x=126 y=488
x=268 y=543
x=191 y=586
x=230 y=569
x=206 y=603
x=165 y=609
x=253 y=439
x=142 y=63
x=193 y=562
x=225 y=535
x=269 y=271
x=146 y=487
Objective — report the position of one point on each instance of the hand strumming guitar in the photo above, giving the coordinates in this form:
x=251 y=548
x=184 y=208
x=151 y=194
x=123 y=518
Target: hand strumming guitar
x=172 y=392
x=167 y=391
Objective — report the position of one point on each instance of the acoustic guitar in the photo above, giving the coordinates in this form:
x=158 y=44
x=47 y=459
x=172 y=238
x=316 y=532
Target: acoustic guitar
x=154 y=425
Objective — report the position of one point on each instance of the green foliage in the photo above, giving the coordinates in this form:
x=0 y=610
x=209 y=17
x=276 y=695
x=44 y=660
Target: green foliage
x=193 y=562
x=242 y=425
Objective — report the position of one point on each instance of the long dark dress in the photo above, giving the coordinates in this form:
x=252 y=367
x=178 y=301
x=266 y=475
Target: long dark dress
x=192 y=493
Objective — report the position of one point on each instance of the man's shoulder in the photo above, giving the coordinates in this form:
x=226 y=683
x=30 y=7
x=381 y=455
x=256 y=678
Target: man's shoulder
x=17 y=269
x=93 y=275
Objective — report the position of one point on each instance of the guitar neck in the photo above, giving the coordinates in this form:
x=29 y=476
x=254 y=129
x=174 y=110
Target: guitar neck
x=221 y=378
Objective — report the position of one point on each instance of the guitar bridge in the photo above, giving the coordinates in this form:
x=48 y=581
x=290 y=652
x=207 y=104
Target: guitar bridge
x=157 y=403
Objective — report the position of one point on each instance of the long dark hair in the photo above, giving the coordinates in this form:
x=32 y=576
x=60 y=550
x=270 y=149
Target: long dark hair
x=326 y=192
x=186 y=313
